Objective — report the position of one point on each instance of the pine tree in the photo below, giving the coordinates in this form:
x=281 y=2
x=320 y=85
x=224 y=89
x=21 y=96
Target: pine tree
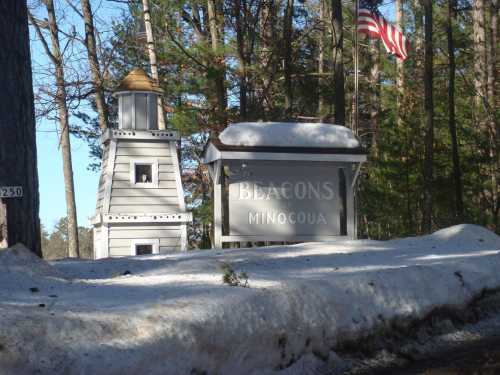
x=18 y=157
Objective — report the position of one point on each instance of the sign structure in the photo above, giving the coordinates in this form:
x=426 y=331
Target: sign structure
x=284 y=182
x=11 y=192
x=283 y=199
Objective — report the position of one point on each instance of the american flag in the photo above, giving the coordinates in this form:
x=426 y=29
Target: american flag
x=370 y=22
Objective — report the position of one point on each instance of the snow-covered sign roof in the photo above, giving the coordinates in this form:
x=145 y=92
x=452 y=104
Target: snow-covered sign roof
x=289 y=134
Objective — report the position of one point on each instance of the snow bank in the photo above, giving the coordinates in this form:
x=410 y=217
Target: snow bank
x=288 y=134
x=171 y=314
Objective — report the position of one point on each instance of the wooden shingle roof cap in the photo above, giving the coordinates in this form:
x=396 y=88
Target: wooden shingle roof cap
x=138 y=80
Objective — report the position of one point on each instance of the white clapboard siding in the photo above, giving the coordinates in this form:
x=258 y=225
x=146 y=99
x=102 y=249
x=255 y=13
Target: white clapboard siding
x=166 y=176
x=143 y=201
x=120 y=251
x=161 y=185
x=102 y=180
x=124 y=242
x=124 y=227
x=141 y=209
x=134 y=152
x=144 y=233
x=125 y=176
x=135 y=226
x=126 y=159
x=125 y=167
x=121 y=176
x=140 y=192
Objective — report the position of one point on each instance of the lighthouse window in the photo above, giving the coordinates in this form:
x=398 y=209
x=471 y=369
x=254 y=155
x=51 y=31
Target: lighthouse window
x=141 y=104
x=126 y=109
x=152 y=112
x=144 y=246
x=143 y=249
x=143 y=173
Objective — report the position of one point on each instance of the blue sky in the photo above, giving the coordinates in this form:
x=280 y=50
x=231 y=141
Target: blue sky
x=50 y=172
x=52 y=199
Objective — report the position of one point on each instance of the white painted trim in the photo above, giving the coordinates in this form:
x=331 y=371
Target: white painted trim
x=104 y=241
x=351 y=210
x=108 y=178
x=154 y=172
x=96 y=219
x=146 y=241
x=183 y=217
x=184 y=239
x=218 y=212
x=236 y=155
x=212 y=154
x=139 y=135
x=177 y=172
x=279 y=238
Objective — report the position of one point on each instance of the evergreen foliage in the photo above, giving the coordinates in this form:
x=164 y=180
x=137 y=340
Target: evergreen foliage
x=248 y=59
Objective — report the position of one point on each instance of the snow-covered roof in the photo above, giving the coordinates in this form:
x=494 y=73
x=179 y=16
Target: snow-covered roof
x=289 y=134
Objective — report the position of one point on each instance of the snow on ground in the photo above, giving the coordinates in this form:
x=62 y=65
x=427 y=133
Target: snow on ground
x=289 y=134
x=172 y=314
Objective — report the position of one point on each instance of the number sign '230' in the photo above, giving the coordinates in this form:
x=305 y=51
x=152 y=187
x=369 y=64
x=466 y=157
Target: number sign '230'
x=11 y=191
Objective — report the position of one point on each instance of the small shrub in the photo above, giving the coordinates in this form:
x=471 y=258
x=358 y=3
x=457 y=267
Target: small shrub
x=231 y=278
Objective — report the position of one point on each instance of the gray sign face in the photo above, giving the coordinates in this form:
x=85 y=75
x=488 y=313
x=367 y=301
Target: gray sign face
x=283 y=199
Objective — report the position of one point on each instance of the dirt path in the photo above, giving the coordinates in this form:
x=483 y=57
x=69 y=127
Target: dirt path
x=482 y=358
x=437 y=347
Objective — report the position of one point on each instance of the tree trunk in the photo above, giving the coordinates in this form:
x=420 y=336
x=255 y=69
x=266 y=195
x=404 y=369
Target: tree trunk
x=62 y=109
x=493 y=56
x=429 y=117
x=399 y=68
x=457 y=173
x=492 y=108
x=287 y=56
x=480 y=75
x=97 y=80
x=152 y=59
x=18 y=158
x=240 y=41
x=418 y=34
x=267 y=23
x=338 y=64
x=216 y=22
x=321 y=60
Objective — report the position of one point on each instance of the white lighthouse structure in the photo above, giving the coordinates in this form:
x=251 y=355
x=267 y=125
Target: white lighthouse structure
x=140 y=201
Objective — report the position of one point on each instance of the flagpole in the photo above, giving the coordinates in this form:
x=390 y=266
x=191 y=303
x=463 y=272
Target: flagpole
x=356 y=69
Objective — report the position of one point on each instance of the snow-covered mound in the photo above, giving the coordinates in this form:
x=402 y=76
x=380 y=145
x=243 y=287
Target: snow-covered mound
x=172 y=314
x=289 y=134
x=18 y=259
